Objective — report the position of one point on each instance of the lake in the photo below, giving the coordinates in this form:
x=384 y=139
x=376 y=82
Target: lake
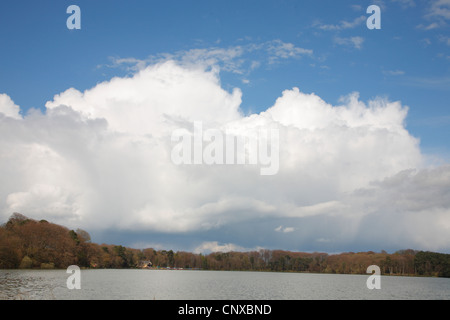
x=213 y=285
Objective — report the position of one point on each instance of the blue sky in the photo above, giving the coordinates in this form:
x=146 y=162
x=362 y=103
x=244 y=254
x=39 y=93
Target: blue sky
x=262 y=47
x=403 y=61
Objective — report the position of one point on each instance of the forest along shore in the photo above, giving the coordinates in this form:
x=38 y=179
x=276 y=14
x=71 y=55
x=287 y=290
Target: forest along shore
x=31 y=244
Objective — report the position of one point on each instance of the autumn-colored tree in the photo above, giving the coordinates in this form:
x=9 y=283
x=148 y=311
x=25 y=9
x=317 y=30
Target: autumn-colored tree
x=9 y=250
x=28 y=243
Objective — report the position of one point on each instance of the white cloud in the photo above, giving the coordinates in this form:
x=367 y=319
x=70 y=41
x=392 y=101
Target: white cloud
x=278 y=49
x=214 y=246
x=406 y=3
x=355 y=42
x=439 y=9
x=380 y=3
x=426 y=42
x=285 y=229
x=411 y=208
x=394 y=72
x=153 y=97
x=343 y=25
x=8 y=108
x=445 y=39
x=356 y=7
x=148 y=245
x=438 y=12
x=235 y=59
x=430 y=26
x=435 y=83
x=100 y=160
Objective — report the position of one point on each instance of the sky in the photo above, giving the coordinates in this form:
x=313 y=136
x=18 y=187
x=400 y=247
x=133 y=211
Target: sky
x=362 y=117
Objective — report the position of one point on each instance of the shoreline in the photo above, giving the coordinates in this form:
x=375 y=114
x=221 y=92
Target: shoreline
x=211 y=270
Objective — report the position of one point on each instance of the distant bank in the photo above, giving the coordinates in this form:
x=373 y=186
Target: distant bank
x=31 y=244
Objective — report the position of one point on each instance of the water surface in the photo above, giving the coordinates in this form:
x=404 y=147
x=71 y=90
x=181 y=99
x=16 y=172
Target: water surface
x=213 y=285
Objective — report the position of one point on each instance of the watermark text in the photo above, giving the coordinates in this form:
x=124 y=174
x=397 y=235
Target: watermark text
x=215 y=147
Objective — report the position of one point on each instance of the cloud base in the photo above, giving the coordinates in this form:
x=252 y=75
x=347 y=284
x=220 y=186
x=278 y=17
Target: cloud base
x=100 y=160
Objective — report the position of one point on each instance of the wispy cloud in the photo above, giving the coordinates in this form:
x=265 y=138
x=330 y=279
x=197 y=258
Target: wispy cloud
x=355 y=42
x=426 y=27
x=425 y=42
x=433 y=121
x=393 y=72
x=444 y=39
x=438 y=83
x=438 y=13
x=278 y=50
x=405 y=3
x=356 y=7
x=284 y=229
x=227 y=58
x=439 y=9
x=238 y=59
x=342 y=25
x=380 y=3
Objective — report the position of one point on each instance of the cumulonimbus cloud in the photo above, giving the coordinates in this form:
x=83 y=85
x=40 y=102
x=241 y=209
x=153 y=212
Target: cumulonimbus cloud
x=100 y=159
x=8 y=108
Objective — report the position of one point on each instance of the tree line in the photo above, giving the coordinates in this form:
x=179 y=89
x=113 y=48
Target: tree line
x=26 y=243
